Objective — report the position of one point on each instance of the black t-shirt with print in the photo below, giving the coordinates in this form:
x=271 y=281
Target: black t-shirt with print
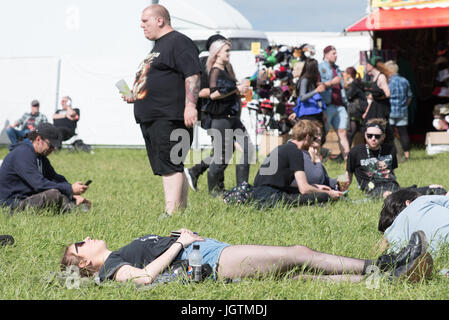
x=138 y=254
x=377 y=166
x=289 y=160
x=66 y=122
x=159 y=87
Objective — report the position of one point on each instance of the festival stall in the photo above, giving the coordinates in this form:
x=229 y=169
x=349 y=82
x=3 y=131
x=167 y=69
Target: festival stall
x=415 y=34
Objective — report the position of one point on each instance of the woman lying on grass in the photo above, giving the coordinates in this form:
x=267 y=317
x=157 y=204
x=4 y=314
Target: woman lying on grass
x=145 y=258
x=408 y=210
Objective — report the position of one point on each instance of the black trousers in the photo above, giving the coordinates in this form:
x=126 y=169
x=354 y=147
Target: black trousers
x=223 y=132
x=51 y=198
x=265 y=196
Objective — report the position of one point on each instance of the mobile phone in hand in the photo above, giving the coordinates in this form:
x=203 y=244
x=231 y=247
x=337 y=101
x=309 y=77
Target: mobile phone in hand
x=177 y=233
x=87 y=182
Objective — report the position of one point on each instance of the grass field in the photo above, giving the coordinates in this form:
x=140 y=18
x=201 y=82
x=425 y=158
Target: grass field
x=128 y=200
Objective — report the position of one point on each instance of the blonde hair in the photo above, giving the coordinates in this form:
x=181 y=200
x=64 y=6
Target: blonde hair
x=215 y=47
x=392 y=66
x=384 y=69
x=297 y=69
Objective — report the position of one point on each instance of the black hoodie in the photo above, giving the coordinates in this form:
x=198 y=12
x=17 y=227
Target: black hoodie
x=24 y=173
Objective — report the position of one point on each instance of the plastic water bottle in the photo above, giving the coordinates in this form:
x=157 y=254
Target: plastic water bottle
x=195 y=263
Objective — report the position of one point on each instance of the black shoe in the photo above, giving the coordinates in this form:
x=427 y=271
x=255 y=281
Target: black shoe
x=191 y=179
x=413 y=262
x=6 y=239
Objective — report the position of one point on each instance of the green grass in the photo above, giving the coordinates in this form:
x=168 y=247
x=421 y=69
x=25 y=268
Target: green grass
x=128 y=200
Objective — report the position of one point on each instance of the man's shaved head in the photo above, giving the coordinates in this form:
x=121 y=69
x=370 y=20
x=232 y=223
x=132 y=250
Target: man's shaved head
x=157 y=11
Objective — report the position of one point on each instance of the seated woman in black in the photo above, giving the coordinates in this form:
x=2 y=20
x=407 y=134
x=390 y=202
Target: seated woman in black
x=224 y=110
x=284 y=166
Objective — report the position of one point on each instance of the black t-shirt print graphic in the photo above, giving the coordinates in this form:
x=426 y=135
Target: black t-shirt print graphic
x=159 y=87
x=140 y=89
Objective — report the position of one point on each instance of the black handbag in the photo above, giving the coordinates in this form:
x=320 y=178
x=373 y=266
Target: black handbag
x=213 y=107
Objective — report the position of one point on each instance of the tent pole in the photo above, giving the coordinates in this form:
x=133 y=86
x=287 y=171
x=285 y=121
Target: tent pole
x=58 y=80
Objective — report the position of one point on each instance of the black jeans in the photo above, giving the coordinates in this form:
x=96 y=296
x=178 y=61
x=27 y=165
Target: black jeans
x=223 y=132
x=51 y=198
x=403 y=136
x=265 y=196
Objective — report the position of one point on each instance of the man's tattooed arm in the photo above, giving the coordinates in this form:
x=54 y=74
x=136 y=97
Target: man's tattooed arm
x=192 y=85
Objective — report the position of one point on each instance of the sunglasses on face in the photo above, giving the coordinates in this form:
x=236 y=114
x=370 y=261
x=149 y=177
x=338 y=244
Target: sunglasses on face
x=370 y=136
x=78 y=244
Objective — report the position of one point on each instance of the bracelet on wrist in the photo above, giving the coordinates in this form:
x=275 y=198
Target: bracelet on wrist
x=182 y=246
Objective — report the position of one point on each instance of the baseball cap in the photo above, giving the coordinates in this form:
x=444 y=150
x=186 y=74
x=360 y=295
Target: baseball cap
x=50 y=132
x=35 y=103
x=266 y=104
x=213 y=38
x=328 y=49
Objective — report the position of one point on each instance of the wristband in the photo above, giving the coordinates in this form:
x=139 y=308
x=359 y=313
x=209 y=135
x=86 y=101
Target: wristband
x=182 y=246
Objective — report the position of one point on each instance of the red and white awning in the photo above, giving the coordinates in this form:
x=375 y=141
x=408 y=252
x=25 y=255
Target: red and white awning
x=403 y=18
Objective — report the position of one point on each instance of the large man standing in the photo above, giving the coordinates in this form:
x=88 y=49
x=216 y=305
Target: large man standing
x=165 y=93
x=335 y=98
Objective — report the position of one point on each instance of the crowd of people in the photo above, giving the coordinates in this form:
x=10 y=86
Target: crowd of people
x=292 y=174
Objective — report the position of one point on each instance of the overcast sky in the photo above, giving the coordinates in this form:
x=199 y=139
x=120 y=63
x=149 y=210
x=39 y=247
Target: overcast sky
x=301 y=15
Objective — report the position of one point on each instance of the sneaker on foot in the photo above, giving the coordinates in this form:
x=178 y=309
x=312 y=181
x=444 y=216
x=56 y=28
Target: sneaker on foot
x=191 y=179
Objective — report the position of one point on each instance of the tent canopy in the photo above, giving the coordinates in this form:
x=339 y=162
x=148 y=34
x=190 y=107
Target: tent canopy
x=201 y=14
x=403 y=18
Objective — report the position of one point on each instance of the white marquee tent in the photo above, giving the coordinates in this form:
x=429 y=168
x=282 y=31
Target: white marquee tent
x=81 y=48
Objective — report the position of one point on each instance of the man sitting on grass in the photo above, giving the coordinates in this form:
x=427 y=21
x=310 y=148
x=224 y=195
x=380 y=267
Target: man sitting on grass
x=373 y=164
x=27 y=179
x=282 y=178
x=147 y=257
x=406 y=211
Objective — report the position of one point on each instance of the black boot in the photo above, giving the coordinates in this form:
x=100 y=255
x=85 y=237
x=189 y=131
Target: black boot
x=242 y=173
x=215 y=183
x=412 y=262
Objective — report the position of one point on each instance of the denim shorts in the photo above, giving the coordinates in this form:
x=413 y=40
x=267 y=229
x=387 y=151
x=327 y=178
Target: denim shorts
x=399 y=121
x=210 y=249
x=337 y=117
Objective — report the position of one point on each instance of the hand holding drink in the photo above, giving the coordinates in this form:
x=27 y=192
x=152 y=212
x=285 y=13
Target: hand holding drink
x=343 y=182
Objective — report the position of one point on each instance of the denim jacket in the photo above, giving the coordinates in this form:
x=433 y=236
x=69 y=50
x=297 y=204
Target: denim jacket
x=327 y=75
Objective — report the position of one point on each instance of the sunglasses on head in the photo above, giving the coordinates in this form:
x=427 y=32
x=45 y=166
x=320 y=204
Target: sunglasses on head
x=78 y=244
x=370 y=136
